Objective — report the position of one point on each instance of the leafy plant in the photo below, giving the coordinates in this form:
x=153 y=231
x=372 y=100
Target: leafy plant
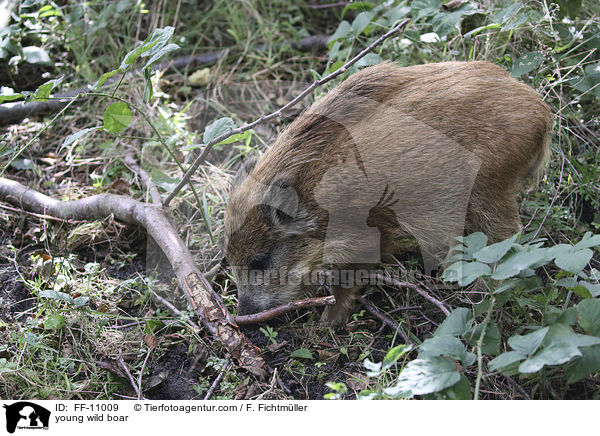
x=565 y=338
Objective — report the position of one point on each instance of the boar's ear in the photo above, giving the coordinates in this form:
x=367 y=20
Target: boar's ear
x=246 y=168
x=282 y=210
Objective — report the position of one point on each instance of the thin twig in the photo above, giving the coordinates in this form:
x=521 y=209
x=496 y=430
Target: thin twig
x=562 y=168
x=486 y=322
x=145 y=178
x=37 y=135
x=218 y=379
x=266 y=315
x=200 y=159
x=393 y=282
x=131 y=379
x=139 y=381
x=176 y=311
x=383 y=318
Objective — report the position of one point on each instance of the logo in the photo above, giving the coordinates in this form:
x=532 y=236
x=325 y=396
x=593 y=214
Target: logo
x=26 y=415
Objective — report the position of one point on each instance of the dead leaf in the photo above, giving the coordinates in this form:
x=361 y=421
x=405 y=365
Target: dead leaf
x=151 y=341
x=119 y=186
x=200 y=77
x=357 y=382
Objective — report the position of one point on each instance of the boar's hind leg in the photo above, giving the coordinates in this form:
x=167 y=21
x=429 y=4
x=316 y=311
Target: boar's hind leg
x=498 y=218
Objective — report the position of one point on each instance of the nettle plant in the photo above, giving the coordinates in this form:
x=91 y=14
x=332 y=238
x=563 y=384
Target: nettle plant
x=553 y=339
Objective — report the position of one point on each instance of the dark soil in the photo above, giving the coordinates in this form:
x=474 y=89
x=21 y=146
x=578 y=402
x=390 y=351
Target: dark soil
x=15 y=298
x=177 y=378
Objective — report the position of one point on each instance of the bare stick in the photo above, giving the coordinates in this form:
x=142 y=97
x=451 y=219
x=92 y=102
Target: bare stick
x=218 y=379
x=393 y=282
x=200 y=159
x=131 y=380
x=383 y=318
x=266 y=315
x=204 y=300
x=146 y=179
x=139 y=380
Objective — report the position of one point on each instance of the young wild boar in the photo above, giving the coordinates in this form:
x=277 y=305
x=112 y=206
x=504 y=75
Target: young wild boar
x=428 y=152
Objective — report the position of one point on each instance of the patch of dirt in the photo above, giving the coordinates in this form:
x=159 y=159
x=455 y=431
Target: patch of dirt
x=174 y=369
x=14 y=296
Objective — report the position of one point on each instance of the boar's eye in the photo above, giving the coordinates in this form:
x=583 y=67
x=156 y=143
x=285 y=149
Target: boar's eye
x=260 y=262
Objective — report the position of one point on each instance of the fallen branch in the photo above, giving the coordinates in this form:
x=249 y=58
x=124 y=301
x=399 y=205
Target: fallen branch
x=202 y=157
x=203 y=299
x=269 y=314
x=218 y=379
x=16 y=111
x=130 y=377
x=383 y=318
x=396 y=283
x=146 y=179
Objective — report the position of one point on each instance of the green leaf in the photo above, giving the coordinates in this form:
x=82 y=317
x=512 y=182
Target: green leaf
x=582 y=291
x=529 y=343
x=574 y=260
x=159 y=37
x=394 y=15
x=558 y=332
x=36 y=55
x=588 y=241
x=343 y=31
x=57 y=295
x=589 y=316
x=156 y=53
x=217 y=128
x=465 y=273
x=568 y=316
x=78 y=135
x=356 y=5
x=567 y=282
x=588 y=363
x=163 y=180
x=361 y=21
x=10 y=97
x=373 y=368
x=103 y=78
x=472 y=244
x=495 y=252
x=517 y=262
x=424 y=8
x=526 y=63
x=457 y=323
x=444 y=345
x=43 y=91
x=491 y=341
x=301 y=353
x=555 y=354
x=446 y=21
x=148 y=87
x=117 y=117
x=394 y=354
x=506 y=362
x=54 y=322
x=22 y=164
x=589 y=81
x=459 y=391
x=507 y=13
x=528 y=283
x=424 y=376
x=592 y=288
x=369 y=59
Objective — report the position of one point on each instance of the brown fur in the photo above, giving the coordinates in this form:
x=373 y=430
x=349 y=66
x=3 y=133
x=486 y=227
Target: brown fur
x=450 y=144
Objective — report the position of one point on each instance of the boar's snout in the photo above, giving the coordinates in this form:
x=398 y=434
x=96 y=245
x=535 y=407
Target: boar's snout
x=248 y=302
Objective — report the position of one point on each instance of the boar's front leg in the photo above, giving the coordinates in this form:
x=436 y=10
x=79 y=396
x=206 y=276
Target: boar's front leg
x=337 y=315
